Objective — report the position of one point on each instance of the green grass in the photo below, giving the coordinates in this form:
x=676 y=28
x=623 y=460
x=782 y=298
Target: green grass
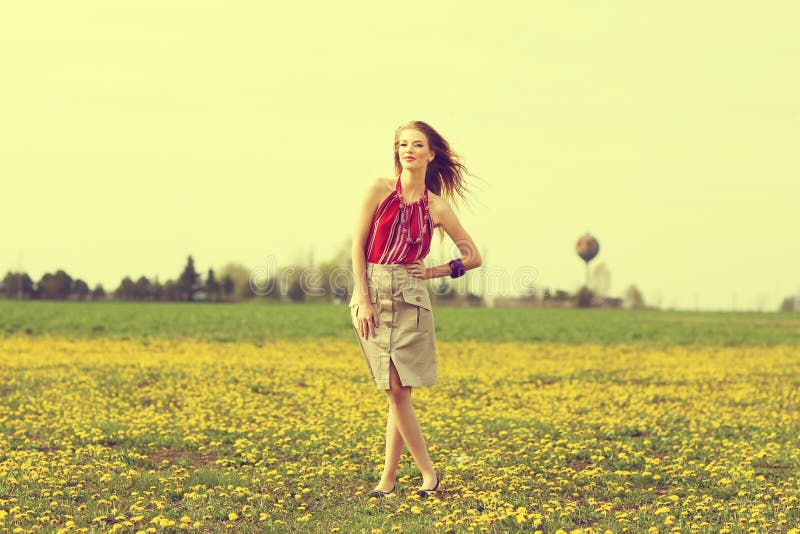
x=268 y=322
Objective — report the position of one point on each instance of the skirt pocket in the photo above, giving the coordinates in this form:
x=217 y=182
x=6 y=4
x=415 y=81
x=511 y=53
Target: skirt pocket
x=417 y=296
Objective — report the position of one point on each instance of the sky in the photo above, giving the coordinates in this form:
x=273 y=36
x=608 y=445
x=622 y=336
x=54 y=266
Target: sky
x=135 y=134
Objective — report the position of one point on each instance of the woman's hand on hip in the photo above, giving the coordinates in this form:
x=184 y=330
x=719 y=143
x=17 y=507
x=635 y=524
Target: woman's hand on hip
x=417 y=268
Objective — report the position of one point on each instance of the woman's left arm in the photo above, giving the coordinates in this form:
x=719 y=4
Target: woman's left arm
x=470 y=256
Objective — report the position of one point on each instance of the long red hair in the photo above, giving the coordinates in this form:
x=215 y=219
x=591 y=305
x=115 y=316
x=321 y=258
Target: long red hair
x=444 y=175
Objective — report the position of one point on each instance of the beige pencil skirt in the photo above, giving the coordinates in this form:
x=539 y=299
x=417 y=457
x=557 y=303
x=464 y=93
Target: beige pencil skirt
x=405 y=332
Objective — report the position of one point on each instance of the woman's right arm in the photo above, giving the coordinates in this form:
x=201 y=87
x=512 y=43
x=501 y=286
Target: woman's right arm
x=366 y=210
x=363 y=220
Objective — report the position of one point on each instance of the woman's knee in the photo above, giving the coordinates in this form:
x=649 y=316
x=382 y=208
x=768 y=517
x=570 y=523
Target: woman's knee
x=399 y=395
x=397 y=392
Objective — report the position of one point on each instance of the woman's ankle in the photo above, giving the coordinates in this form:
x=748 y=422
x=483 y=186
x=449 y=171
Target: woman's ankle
x=432 y=477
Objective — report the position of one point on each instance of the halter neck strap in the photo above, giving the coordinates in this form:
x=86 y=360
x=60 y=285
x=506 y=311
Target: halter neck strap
x=399 y=191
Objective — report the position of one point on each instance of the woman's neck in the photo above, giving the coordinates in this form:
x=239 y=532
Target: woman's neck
x=413 y=184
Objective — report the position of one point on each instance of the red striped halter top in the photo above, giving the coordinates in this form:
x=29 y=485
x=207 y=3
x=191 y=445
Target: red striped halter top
x=399 y=232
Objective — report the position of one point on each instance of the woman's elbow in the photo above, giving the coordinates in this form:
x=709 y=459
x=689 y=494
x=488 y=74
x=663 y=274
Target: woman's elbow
x=477 y=261
x=473 y=262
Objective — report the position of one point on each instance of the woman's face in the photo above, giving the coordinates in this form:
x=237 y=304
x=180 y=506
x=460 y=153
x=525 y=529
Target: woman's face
x=413 y=144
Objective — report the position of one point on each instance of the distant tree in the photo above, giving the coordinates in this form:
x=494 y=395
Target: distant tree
x=228 y=286
x=7 y=288
x=80 y=289
x=240 y=275
x=560 y=295
x=171 y=291
x=142 y=290
x=789 y=304
x=584 y=297
x=263 y=282
x=612 y=302
x=46 y=286
x=157 y=290
x=213 y=288
x=633 y=298
x=64 y=284
x=271 y=289
x=126 y=289
x=98 y=293
x=188 y=280
x=17 y=286
x=294 y=291
x=55 y=286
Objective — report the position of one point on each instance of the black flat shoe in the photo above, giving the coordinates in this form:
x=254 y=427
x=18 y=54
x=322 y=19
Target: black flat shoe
x=424 y=493
x=379 y=493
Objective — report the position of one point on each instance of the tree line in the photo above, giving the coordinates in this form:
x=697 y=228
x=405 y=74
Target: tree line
x=280 y=283
x=188 y=286
x=233 y=283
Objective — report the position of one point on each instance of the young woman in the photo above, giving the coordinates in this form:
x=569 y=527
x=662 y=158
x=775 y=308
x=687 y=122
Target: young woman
x=390 y=307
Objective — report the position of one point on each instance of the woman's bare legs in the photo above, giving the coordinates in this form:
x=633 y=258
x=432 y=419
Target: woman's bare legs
x=406 y=429
x=394 y=448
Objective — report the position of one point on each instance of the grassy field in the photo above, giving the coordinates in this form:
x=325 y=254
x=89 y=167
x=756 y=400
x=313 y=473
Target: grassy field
x=258 y=323
x=161 y=418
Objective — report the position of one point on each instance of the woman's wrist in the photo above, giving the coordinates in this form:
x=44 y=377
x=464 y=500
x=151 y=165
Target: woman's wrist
x=436 y=272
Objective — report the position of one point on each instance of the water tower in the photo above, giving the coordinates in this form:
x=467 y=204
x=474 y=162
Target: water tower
x=587 y=248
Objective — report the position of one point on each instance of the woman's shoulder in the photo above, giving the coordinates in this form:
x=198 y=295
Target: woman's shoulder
x=378 y=189
x=381 y=187
x=385 y=183
x=436 y=202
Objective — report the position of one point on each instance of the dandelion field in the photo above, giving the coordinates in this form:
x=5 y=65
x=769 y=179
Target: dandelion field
x=151 y=434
